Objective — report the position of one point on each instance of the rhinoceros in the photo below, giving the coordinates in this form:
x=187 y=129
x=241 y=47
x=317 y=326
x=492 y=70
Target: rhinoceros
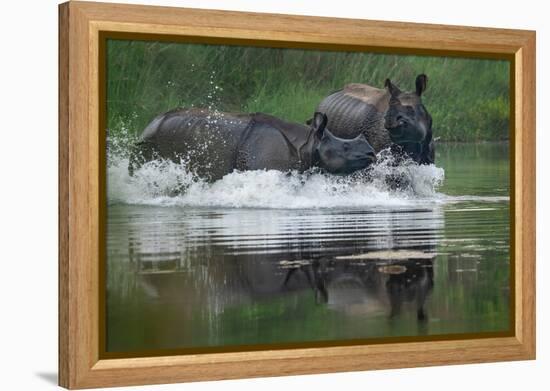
x=214 y=144
x=387 y=117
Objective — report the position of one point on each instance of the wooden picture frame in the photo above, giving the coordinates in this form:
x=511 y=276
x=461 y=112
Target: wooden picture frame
x=82 y=28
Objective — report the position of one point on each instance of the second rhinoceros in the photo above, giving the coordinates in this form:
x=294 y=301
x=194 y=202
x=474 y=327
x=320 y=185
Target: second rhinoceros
x=214 y=144
x=387 y=117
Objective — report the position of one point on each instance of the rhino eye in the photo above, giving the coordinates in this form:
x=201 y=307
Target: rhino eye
x=346 y=146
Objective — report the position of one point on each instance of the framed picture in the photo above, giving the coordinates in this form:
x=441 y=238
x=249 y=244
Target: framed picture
x=247 y=195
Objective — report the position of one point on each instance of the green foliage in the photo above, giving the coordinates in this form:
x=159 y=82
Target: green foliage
x=468 y=99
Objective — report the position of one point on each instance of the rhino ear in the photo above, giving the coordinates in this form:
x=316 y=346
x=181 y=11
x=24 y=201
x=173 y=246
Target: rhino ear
x=392 y=88
x=421 y=84
x=319 y=123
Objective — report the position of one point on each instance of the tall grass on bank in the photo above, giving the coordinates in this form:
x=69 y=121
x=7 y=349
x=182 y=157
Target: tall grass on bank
x=467 y=98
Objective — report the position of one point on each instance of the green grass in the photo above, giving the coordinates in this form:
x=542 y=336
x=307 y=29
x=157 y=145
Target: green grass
x=467 y=98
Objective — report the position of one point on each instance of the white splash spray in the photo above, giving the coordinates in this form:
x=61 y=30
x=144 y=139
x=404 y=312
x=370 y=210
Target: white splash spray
x=167 y=183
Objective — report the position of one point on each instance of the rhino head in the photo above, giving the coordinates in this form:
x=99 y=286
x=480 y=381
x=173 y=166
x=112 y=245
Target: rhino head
x=406 y=119
x=337 y=155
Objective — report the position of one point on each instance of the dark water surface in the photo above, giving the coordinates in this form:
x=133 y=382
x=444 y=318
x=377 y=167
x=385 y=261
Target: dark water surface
x=187 y=277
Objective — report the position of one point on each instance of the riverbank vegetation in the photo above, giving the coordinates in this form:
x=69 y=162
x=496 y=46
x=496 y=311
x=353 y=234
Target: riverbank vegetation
x=467 y=98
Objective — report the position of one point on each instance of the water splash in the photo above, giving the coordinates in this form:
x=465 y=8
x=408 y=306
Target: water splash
x=167 y=183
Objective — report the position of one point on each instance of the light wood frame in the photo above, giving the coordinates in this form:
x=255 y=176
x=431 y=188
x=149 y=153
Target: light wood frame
x=80 y=25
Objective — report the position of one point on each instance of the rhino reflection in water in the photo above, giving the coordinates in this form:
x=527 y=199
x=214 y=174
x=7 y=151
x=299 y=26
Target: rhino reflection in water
x=369 y=287
x=374 y=286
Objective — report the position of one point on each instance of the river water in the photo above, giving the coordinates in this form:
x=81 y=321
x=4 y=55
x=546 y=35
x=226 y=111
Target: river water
x=270 y=258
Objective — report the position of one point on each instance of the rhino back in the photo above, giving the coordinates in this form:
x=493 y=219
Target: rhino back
x=351 y=111
x=273 y=144
x=205 y=140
